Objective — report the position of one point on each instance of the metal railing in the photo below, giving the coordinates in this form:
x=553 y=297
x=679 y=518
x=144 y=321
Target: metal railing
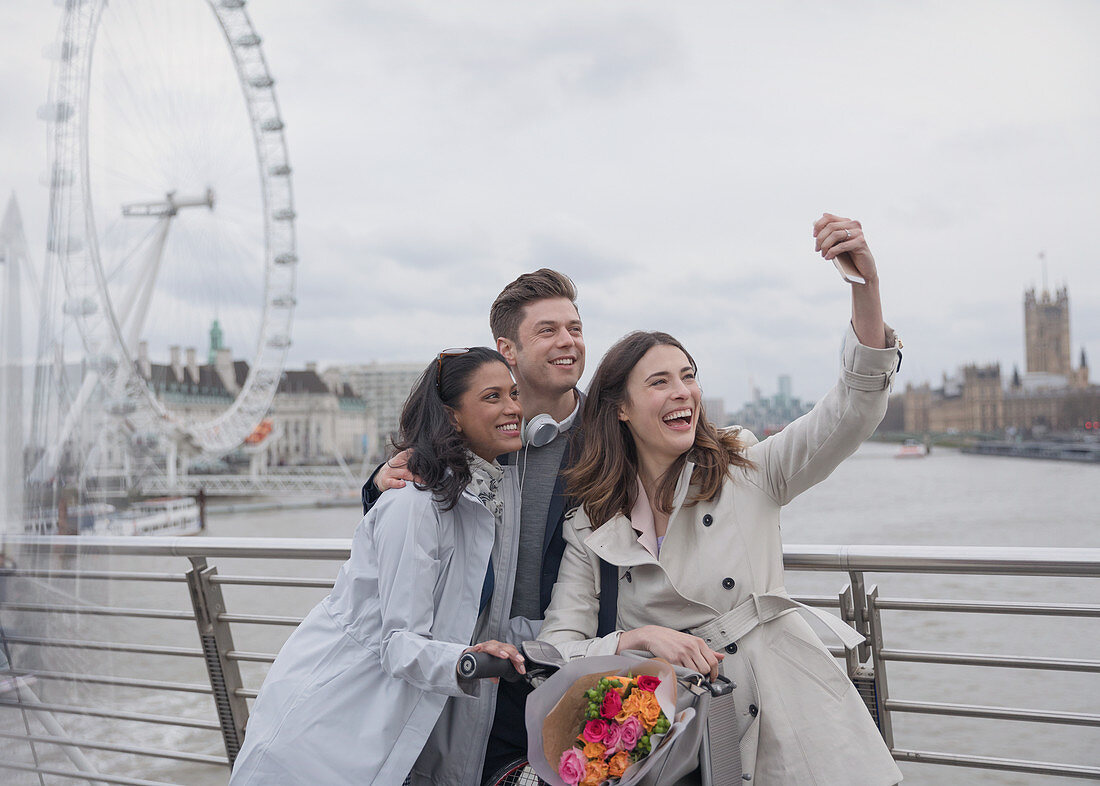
x=232 y=677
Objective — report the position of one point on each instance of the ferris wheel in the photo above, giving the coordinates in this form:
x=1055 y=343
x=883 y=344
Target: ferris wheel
x=171 y=208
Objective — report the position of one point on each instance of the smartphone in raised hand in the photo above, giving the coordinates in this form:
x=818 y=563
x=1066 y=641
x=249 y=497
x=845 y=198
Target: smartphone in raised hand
x=847 y=269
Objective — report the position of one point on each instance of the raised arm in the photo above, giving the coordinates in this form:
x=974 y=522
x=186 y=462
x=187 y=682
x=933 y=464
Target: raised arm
x=810 y=448
x=835 y=236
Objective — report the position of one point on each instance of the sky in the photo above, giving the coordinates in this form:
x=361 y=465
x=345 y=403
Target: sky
x=671 y=158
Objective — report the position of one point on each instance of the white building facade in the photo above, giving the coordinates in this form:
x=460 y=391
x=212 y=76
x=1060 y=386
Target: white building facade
x=309 y=423
x=383 y=388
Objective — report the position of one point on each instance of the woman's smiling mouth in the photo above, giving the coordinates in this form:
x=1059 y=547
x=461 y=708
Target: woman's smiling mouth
x=679 y=419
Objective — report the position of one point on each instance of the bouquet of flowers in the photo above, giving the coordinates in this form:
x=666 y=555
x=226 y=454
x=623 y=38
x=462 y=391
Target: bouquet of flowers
x=603 y=720
x=622 y=714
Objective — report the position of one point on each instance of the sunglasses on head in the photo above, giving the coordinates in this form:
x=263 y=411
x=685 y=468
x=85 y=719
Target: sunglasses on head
x=447 y=353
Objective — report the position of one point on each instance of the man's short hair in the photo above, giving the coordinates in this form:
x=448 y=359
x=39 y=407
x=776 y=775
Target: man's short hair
x=508 y=309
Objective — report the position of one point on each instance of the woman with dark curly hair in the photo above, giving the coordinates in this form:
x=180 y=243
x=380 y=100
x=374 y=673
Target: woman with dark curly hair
x=360 y=685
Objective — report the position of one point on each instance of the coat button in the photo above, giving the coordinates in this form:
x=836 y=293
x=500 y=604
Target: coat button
x=708 y=520
x=728 y=583
x=731 y=648
x=627 y=577
x=752 y=710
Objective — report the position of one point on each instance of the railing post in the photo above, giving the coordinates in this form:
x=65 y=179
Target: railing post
x=217 y=640
x=848 y=614
x=859 y=611
x=882 y=693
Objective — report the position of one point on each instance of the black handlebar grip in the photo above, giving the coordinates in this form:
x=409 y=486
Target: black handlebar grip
x=481 y=665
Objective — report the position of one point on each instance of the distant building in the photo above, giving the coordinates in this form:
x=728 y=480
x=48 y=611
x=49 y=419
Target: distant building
x=315 y=422
x=1050 y=396
x=784 y=387
x=972 y=401
x=763 y=416
x=310 y=421
x=383 y=387
x=216 y=342
x=1046 y=332
x=716 y=410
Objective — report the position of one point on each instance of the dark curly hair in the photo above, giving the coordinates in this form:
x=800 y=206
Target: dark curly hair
x=438 y=449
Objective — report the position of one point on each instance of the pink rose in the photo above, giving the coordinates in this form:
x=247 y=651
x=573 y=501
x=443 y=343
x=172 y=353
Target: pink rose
x=612 y=704
x=630 y=732
x=612 y=738
x=595 y=730
x=571 y=767
x=647 y=682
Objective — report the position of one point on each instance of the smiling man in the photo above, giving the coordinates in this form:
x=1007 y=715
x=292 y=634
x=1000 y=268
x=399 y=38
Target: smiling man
x=538 y=330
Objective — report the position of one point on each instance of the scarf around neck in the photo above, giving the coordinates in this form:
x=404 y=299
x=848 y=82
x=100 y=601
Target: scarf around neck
x=485 y=479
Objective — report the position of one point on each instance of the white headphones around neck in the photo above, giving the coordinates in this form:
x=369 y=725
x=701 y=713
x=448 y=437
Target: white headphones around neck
x=541 y=431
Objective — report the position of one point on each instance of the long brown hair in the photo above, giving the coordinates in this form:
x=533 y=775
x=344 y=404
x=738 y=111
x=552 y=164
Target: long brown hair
x=604 y=478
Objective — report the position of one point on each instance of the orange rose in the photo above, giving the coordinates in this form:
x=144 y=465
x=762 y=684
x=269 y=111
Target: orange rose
x=618 y=764
x=594 y=750
x=595 y=773
x=632 y=705
x=650 y=710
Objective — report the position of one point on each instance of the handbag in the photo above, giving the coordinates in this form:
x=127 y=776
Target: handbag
x=707 y=752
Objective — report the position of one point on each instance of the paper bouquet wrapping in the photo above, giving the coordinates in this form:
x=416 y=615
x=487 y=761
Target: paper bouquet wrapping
x=603 y=720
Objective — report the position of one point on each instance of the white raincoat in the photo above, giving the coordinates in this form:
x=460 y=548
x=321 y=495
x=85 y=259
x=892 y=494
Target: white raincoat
x=361 y=685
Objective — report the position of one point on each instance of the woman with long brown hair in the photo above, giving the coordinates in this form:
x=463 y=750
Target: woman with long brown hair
x=689 y=517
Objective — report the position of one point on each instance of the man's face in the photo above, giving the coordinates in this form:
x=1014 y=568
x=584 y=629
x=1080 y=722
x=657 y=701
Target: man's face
x=549 y=356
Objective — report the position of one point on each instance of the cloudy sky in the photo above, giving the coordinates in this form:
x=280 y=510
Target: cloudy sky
x=671 y=158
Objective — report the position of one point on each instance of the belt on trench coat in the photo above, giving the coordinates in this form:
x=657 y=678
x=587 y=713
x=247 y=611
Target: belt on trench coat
x=765 y=607
x=758 y=609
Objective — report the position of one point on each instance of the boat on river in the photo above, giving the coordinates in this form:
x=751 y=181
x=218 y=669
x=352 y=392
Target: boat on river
x=1050 y=450
x=911 y=448
x=163 y=516
x=80 y=518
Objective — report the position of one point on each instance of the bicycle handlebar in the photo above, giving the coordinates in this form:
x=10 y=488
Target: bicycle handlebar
x=482 y=665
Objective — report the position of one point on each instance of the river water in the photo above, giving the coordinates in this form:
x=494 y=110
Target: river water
x=945 y=499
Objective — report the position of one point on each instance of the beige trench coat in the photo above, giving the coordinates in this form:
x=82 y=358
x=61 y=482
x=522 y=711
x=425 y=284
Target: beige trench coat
x=800 y=719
